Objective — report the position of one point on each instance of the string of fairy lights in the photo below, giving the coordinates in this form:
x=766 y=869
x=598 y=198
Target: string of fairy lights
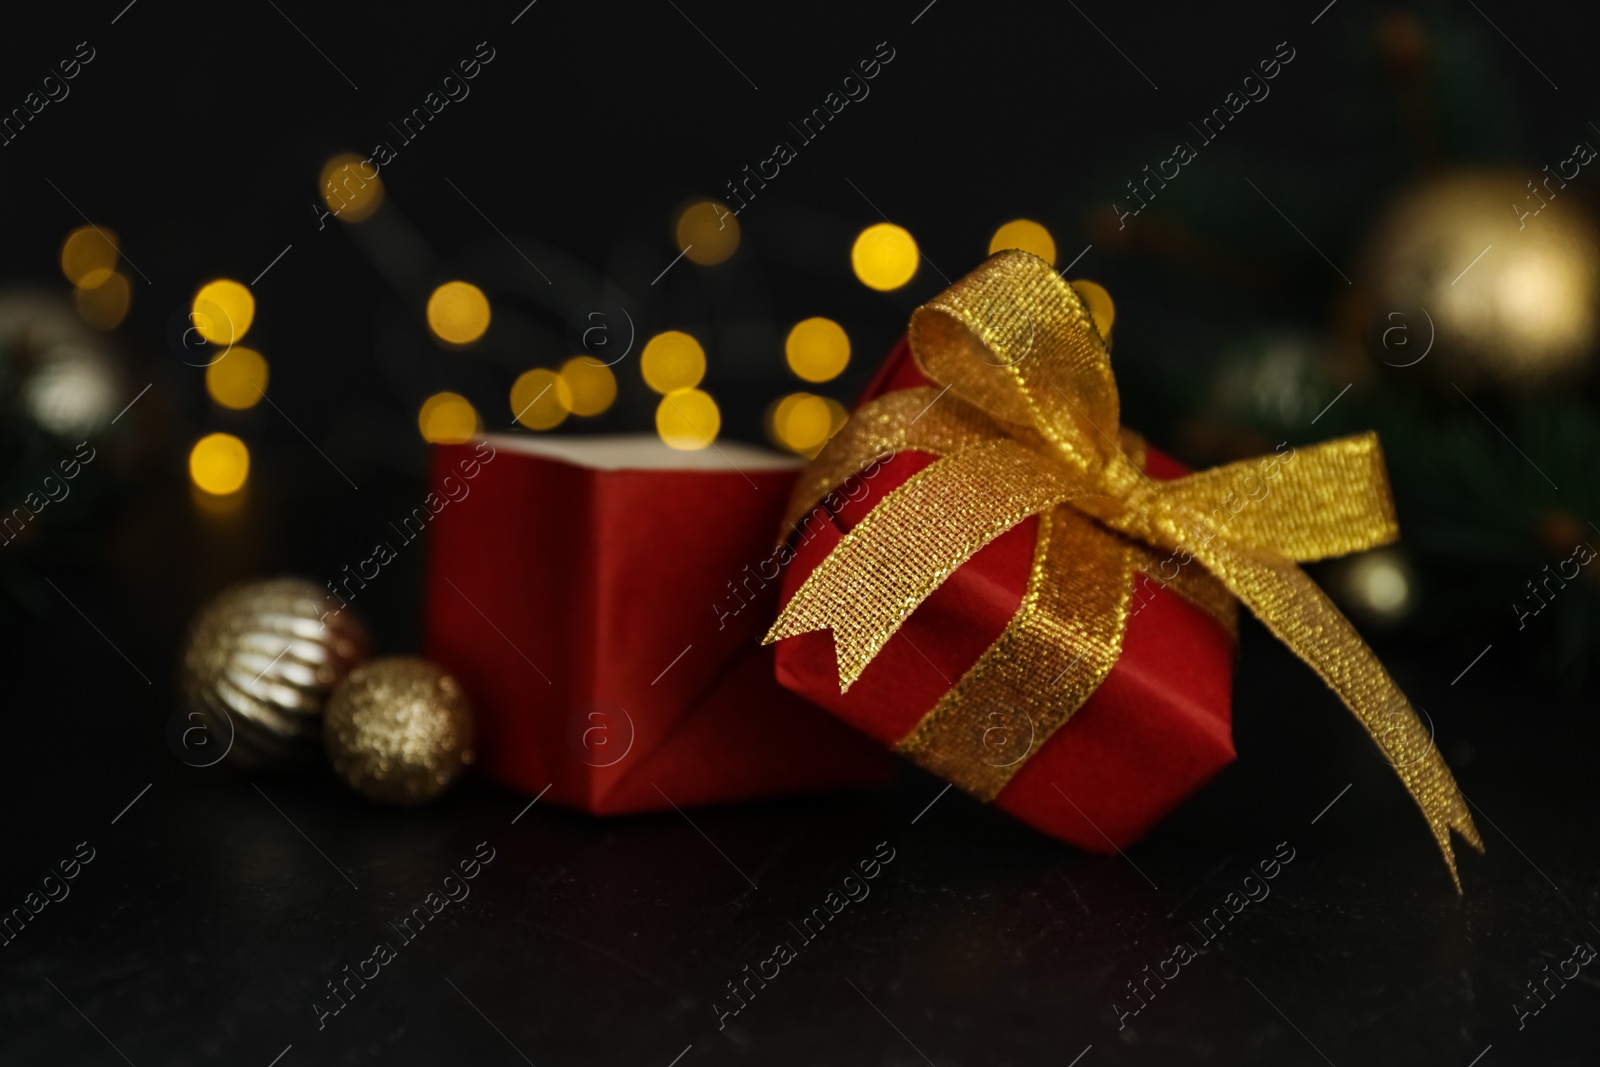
x=458 y=313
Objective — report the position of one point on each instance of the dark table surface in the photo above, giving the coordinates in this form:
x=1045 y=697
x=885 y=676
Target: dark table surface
x=217 y=905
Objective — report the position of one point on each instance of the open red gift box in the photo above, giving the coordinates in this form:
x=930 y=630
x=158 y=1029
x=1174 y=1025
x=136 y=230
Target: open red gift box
x=1155 y=730
x=587 y=592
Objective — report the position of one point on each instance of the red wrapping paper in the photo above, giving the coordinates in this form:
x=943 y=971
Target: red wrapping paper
x=575 y=604
x=1156 y=730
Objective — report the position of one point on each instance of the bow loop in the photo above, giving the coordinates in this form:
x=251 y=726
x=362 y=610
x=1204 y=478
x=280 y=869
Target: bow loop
x=1305 y=504
x=1020 y=344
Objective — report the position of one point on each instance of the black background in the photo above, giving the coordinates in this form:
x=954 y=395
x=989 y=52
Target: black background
x=207 y=924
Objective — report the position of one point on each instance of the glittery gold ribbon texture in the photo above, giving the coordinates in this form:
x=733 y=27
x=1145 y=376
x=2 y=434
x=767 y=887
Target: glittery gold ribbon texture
x=1027 y=424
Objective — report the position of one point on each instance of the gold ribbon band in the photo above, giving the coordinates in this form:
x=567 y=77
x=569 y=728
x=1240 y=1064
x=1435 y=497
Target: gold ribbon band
x=1020 y=676
x=1027 y=424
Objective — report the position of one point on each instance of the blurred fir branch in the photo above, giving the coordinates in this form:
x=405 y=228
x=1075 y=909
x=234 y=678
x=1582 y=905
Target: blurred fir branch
x=1483 y=515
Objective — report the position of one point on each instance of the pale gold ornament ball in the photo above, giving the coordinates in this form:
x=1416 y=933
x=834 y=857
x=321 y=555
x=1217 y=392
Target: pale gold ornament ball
x=399 y=730
x=1497 y=271
x=259 y=664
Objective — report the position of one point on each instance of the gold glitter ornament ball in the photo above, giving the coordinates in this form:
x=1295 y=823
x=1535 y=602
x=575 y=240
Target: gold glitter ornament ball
x=399 y=730
x=260 y=662
x=1495 y=275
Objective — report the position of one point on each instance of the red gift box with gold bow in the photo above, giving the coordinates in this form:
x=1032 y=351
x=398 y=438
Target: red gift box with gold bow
x=989 y=574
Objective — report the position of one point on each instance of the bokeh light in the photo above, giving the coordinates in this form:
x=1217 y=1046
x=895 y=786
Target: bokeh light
x=817 y=349
x=589 y=385
x=707 y=232
x=86 y=250
x=219 y=463
x=1101 y=308
x=447 y=419
x=223 y=311
x=103 y=298
x=74 y=391
x=803 y=422
x=539 y=399
x=1026 y=235
x=458 y=313
x=884 y=256
x=350 y=187
x=1377 y=585
x=688 y=419
x=238 y=380
x=1383 y=586
x=672 y=360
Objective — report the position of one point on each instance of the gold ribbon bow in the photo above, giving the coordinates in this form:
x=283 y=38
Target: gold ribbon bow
x=1030 y=427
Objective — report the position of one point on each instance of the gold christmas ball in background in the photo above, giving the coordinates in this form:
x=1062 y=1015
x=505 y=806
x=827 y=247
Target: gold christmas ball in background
x=260 y=662
x=399 y=730
x=1500 y=270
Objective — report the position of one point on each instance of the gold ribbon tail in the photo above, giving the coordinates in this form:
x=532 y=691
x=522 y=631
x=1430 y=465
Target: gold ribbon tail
x=1297 y=612
x=910 y=543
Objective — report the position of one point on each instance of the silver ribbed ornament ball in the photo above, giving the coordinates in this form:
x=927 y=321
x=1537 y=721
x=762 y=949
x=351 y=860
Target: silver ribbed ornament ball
x=260 y=662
